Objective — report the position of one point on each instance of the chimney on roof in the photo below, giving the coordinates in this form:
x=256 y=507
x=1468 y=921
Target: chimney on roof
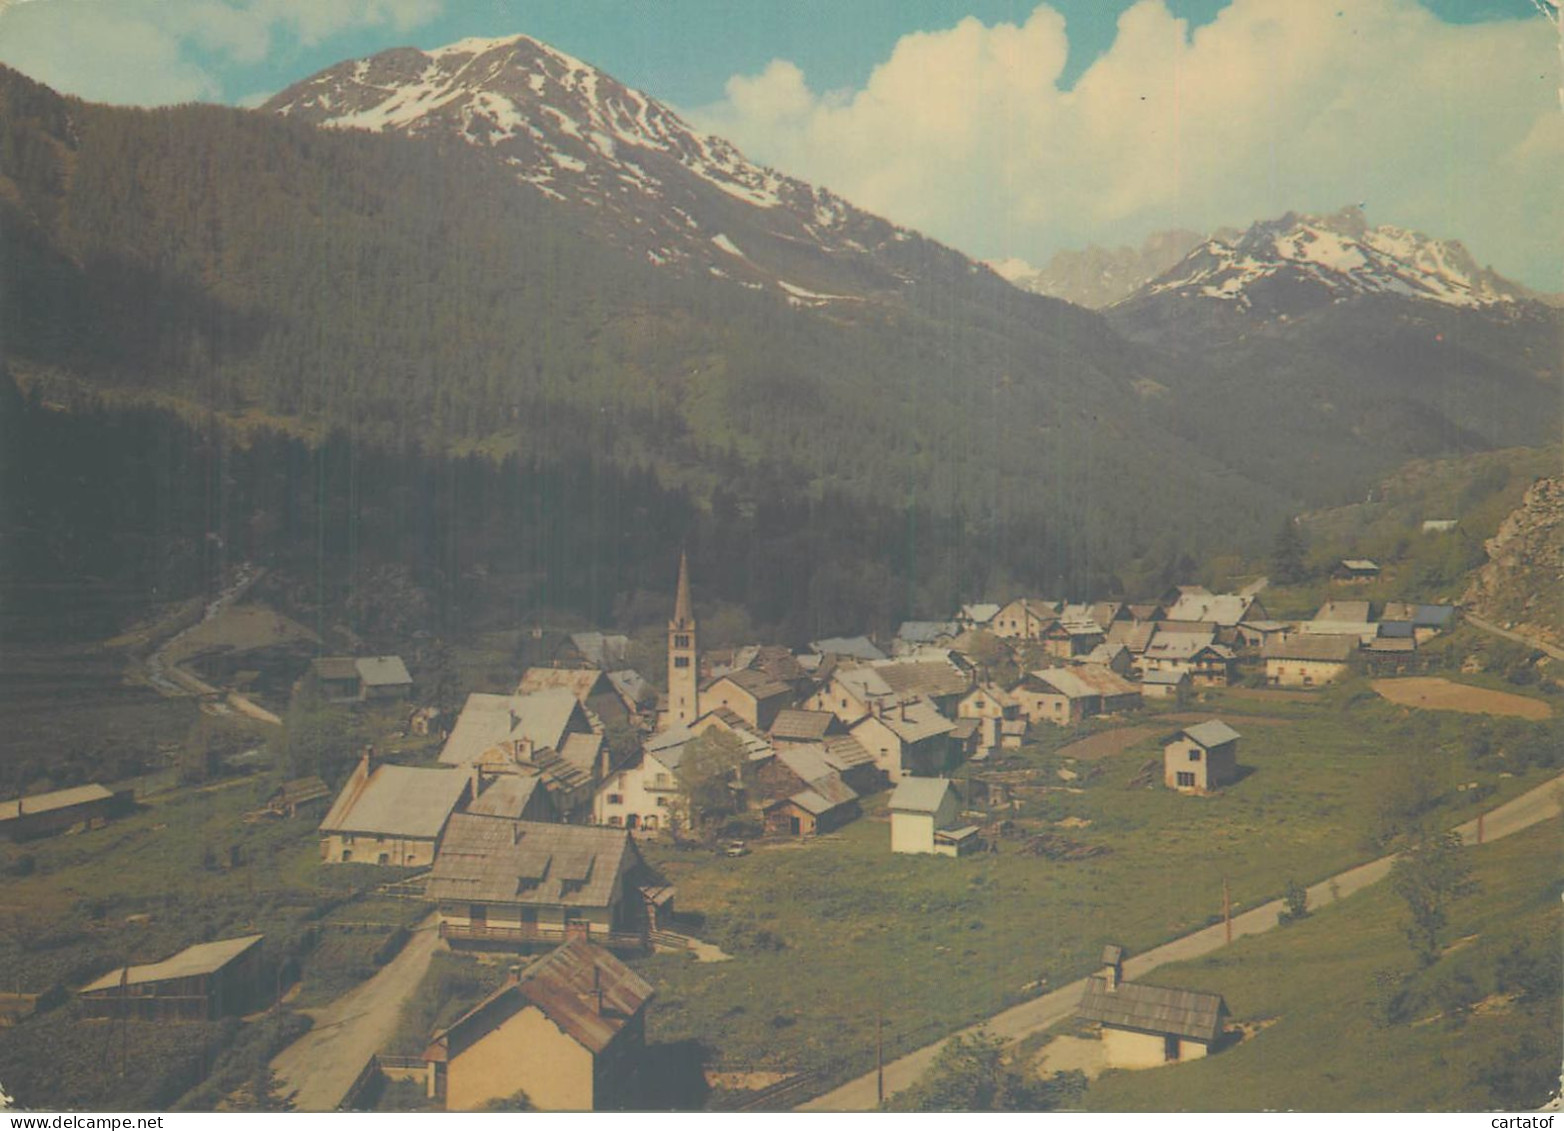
x=1112 y=966
x=515 y=832
x=902 y=703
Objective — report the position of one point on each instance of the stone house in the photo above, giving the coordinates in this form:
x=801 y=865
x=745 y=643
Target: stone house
x=393 y=815
x=1307 y=661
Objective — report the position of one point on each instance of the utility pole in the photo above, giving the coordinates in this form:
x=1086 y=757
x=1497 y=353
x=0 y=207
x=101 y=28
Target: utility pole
x=879 y=1059
x=1227 y=910
x=1480 y=817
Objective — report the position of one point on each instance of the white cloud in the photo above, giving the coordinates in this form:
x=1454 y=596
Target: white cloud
x=153 y=52
x=1275 y=105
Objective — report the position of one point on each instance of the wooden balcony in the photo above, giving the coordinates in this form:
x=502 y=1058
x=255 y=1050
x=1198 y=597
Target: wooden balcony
x=534 y=935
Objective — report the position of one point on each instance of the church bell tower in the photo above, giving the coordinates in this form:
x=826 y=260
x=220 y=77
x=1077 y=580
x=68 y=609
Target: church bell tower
x=683 y=653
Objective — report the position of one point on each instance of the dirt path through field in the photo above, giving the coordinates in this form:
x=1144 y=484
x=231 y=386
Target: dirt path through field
x=1431 y=693
x=1536 y=805
x=319 y=1067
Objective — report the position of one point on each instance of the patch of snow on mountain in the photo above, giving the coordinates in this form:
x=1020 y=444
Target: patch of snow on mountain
x=727 y=245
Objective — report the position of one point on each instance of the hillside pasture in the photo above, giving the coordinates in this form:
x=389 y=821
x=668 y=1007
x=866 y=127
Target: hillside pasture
x=828 y=936
x=1433 y=693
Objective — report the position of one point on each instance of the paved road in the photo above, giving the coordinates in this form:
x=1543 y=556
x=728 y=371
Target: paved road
x=1529 y=641
x=1042 y=1012
x=319 y=1067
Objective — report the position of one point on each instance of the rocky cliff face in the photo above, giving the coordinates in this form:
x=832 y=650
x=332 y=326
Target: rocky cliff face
x=1523 y=581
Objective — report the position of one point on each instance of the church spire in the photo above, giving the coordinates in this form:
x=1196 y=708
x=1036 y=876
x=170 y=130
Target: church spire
x=683 y=654
x=682 y=616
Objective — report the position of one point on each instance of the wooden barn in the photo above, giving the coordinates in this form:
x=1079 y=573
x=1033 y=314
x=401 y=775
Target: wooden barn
x=45 y=813
x=200 y=983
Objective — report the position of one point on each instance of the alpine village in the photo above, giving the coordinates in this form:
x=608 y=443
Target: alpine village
x=507 y=605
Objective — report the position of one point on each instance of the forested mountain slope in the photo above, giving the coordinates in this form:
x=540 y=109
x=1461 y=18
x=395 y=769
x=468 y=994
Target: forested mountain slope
x=408 y=289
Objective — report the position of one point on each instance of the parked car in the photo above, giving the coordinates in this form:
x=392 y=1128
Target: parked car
x=735 y=848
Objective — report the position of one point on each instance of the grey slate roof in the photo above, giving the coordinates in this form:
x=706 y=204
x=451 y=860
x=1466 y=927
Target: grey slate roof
x=1335 y=649
x=193 y=961
x=1348 y=612
x=843 y=752
x=506 y=796
x=795 y=725
x=493 y=860
x=980 y=614
x=1433 y=616
x=925 y=631
x=915 y=721
x=1153 y=1009
x=383 y=671
x=858 y=647
x=630 y=684
x=755 y=683
x=1211 y=733
x=604 y=651
x=403 y=801
x=919 y=795
x=934 y=678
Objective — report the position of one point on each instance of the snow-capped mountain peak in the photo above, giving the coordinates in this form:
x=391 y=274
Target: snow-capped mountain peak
x=1303 y=260
x=577 y=135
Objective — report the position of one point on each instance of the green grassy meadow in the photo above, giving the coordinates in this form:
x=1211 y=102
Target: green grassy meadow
x=1327 y=1043
x=829 y=934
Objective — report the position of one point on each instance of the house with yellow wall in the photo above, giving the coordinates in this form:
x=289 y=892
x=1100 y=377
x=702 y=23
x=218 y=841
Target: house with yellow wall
x=568 y=1031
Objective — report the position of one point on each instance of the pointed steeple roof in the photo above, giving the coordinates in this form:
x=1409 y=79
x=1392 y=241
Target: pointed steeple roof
x=683 y=616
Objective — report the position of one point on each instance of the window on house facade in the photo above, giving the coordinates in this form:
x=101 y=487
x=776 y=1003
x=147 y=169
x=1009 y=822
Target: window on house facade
x=662 y=803
x=662 y=781
x=1186 y=778
x=616 y=799
x=1194 y=755
x=681 y=661
x=614 y=821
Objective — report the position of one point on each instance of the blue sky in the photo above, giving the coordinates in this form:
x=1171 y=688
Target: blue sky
x=1005 y=127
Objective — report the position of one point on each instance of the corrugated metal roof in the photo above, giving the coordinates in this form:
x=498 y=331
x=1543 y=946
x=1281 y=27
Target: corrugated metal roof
x=1395 y=629
x=494 y=860
x=1433 y=616
x=1153 y=1009
x=383 y=671
x=397 y=801
x=567 y=985
x=193 y=961
x=57 y=799
x=919 y=795
x=1211 y=733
